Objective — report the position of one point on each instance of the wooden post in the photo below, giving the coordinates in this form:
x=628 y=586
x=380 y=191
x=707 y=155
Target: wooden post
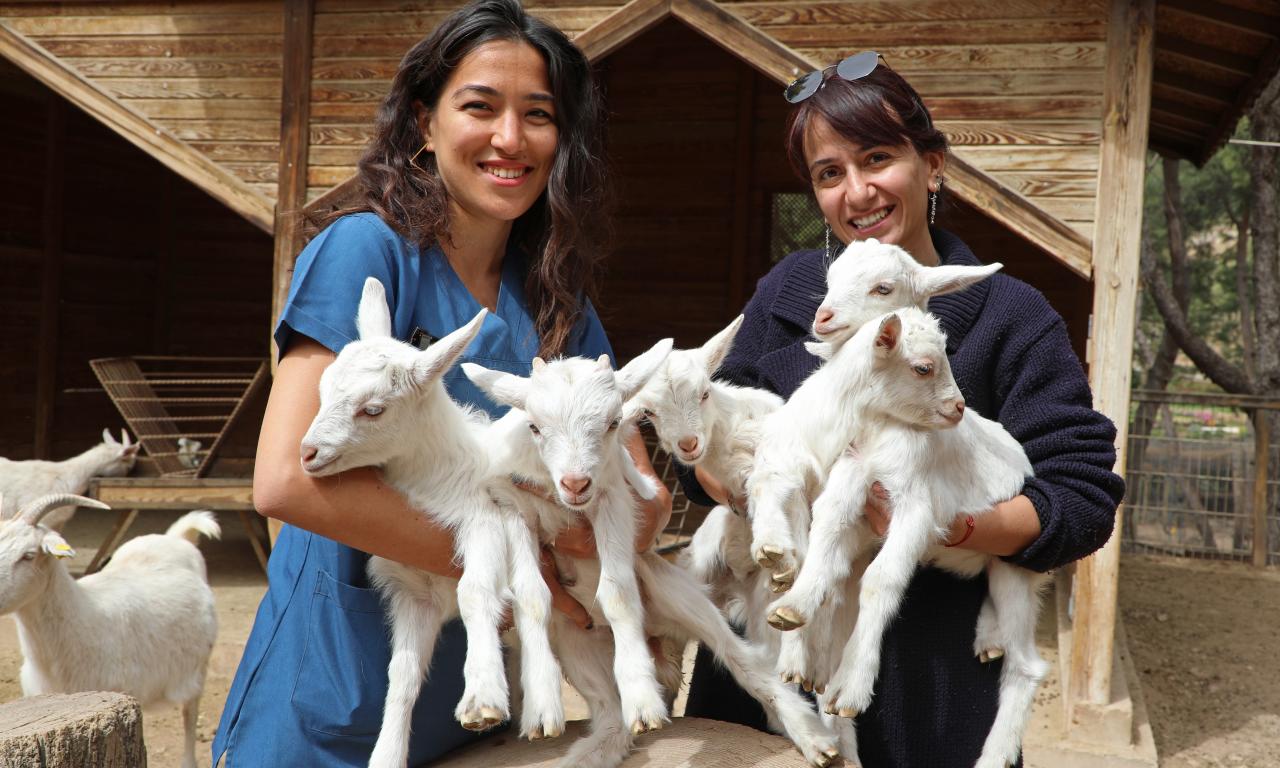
x=51 y=276
x=295 y=119
x=1261 y=465
x=744 y=155
x=295 y=143
x=95 y=729
x=1127 y=109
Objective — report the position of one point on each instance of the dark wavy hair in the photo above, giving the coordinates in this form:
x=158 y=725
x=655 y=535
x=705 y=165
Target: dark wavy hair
x=563 y=234
x=881 y=109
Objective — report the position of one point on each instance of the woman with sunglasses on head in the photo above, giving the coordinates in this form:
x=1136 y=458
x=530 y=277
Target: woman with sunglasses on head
x=481 y=187
x=864 y=140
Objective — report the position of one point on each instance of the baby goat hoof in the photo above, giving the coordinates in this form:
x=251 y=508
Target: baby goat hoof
x=807 y=685
x=991 y=654
x=785 y=619
x=490 y=716
x=819 y=689
x=769 y=556
x=827 y=759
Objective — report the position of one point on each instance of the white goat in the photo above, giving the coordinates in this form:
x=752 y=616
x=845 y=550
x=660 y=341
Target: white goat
x=144 y=625
x=802 y=440
x=717 y=426
x=383 y=403
x=24 y=481
x=565 y=431
x=938 y=463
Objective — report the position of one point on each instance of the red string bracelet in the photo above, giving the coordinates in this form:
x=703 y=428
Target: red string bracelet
x=968 y=531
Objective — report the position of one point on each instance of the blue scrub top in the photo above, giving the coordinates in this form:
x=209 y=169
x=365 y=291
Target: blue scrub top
x=310 y=687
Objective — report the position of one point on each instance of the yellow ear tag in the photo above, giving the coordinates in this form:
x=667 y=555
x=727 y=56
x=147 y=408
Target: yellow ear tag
x=60 y=549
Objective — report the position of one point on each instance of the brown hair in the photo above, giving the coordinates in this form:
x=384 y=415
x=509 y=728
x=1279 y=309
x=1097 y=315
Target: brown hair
x=880 y=109
x=563 y=233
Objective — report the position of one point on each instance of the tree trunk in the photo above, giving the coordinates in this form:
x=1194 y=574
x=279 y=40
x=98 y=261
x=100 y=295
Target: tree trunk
x=78 y=730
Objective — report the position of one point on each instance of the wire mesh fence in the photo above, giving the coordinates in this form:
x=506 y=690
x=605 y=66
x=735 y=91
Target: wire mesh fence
x=1196 y=486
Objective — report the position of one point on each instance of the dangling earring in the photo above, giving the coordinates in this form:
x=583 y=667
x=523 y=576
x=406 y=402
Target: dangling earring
x=933 y=201
x=424 y=148
x=826 y=249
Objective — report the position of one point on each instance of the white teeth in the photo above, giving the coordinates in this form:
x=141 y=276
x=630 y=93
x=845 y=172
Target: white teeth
x=867 y=221
x=505 y=173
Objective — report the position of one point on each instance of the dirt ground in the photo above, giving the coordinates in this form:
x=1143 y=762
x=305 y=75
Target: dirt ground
x=1202 y=634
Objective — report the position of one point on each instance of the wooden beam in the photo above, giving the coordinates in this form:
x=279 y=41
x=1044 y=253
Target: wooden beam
x=156 y=141
x=51 y=275
x=295 y=120
x=999 y=201
x=1268 y=66
x=741 y=39
x=1127 y=99
x=1262 y=463
x=619 y=28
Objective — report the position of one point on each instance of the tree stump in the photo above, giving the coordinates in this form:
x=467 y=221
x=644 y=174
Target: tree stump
x=687 y=742
x=95 y=729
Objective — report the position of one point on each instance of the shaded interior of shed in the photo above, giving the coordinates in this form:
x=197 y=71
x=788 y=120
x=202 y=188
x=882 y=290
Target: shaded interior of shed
x=105 y=252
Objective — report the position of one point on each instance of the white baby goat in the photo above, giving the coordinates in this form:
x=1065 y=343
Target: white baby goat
x=717 y=426
x=938 y=463
x=802 y=440
x=383 y=403
x=24 y=481
x=565 y=432
x=144 y=625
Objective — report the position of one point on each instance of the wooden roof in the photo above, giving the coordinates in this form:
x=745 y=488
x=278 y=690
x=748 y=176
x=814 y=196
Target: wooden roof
x=1212 y=59
x=1016 y=85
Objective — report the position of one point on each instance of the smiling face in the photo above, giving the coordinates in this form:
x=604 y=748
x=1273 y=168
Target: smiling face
x=493 y=132
x=877 y=191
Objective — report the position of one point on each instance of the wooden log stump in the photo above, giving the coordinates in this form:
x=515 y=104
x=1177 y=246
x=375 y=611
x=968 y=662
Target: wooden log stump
x=95 y=729
x=687 y=742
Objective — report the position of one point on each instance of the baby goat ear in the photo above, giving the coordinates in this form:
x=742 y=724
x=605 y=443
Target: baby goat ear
x=373 y=318
x=107 y=437
x=935 y=281
x=55 y=545
x=504 y=388
x=888 y=334
x=438 y=358
x=633 y=376
x=717 y=347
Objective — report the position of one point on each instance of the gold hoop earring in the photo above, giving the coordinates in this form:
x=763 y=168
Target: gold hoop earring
x=413 y=160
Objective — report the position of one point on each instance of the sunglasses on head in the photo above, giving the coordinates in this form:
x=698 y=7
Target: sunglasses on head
x=856 y=67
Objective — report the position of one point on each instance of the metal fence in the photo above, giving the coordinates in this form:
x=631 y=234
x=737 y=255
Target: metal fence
x=1196 y=487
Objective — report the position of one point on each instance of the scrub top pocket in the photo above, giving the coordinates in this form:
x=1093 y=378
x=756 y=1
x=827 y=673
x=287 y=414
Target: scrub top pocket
x=341 y=683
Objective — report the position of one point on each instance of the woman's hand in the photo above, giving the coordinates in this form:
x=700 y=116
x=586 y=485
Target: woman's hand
x=561 y=600
x=1006 y=529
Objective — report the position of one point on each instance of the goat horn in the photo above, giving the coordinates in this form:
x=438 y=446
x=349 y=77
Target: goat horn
x=35 y=510
x=124 y=437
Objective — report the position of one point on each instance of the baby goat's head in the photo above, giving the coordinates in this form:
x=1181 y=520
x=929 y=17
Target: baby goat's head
x=366 y=392
x=912 y=377
x=676 y=399
x=870 y=278
x=118 y=456
x=28 y=549
x=574 y=408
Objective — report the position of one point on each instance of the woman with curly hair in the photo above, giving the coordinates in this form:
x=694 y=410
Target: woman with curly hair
x=482 y=187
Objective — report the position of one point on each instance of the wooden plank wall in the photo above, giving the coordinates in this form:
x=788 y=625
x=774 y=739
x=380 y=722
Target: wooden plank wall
x=150 y=265
x=1016 y=85
x=207 y=71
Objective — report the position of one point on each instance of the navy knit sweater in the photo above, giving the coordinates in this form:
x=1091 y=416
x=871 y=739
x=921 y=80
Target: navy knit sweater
x=1013 y=362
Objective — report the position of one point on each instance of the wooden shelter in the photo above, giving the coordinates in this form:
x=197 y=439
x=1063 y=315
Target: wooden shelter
x=1050 y=105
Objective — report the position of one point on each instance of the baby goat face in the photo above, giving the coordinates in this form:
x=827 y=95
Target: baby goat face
x=916 y=384
x=366 y=391
x=677 y=399
x=574 y=407
x=870 y=278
